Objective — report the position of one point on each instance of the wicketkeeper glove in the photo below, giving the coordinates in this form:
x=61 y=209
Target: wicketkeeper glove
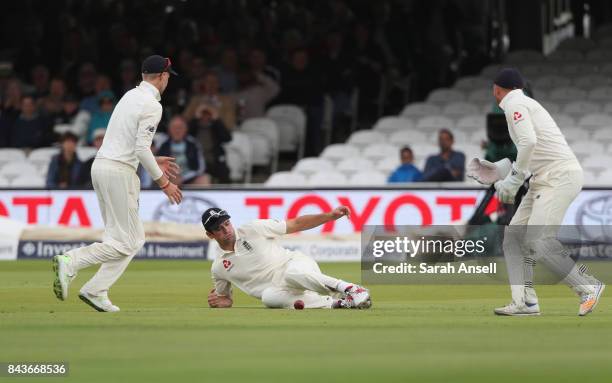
x=487 y=173
x=507 y=188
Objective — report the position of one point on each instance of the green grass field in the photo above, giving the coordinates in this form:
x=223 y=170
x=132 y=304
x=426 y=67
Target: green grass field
x=166 y=333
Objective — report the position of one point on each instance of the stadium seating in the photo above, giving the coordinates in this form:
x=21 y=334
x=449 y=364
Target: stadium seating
x=291 y=122
x=327 y=178
x=311 y=165
x=574 y=84
x=354 y=164
x=338 y=152
x=433 y=123
x=574 y=133
x=604 y=178
x=408 y=137
x=550 y=81
x=596 y=162
x=265 y=141
x=579 y=108
x=285 y=179
x=392 y=124
x=363 y=138
x=595 y=120
x=388 y=164
x=11 y=154
x=14 y=169
x=524 y=56
x=85 y=153
x=470 y=83
x=28 y=180
x=566 y=93
x=445 y=95
x=368 y=178
x=43 y=154
x=601 y=94
x=376 y=152
x=587 y=147
x=459 y=109
x=603 y=135
x=482 y=95
x=420 y=109
x=239 y=156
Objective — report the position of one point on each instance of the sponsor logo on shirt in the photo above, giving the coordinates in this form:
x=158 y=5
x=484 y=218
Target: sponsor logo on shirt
x=247 y=246
x=227 y=264
x=517 y=117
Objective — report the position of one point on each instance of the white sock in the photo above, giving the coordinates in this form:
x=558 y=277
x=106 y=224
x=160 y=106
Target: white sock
x=530 y=294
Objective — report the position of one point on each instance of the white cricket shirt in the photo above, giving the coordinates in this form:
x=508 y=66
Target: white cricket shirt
x=541 y=145
x=131 y=129
x=257 y=262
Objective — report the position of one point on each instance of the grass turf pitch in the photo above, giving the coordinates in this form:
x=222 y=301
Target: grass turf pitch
x=165 y=332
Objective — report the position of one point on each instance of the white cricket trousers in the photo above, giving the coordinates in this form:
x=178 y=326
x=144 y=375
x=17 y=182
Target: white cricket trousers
x=303 y=280
x=531 y=235
x=117 y=187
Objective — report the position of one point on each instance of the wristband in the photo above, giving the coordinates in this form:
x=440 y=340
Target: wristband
x=165 y=186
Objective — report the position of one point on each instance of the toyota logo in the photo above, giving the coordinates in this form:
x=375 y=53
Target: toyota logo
x=594 y=218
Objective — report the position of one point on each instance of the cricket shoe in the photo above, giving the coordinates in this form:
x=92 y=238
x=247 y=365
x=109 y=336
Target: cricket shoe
x=358 y=297
x=102 y=304
x=523 y=309
x=62 y=280
x=589 y=301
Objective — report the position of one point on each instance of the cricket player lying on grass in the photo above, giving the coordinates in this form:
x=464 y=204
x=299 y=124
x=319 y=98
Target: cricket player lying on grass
x=556 y=179
x=257 y=264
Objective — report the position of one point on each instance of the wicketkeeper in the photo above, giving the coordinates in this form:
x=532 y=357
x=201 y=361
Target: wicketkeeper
x=556 y=179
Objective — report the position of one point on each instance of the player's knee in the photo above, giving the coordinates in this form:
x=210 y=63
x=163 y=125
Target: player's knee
x=133 y=248
x=514 y=238
x=272 y=298
x=511 y=244
x=543 y=247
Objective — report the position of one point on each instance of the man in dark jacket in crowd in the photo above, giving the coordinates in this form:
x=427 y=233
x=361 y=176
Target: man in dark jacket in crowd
x=187 y=153
x=65 y=167
x=210 y=131
x=30 y=130
x=448 y=165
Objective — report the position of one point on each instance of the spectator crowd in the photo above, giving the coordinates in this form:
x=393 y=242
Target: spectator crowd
x=62 y=71
x=446 y=166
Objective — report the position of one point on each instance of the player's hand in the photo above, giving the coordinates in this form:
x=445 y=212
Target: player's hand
x=168 y=166
x=173 y=193
x=217 y=301
x=213 y=298
x=340 y=212
x=507 y=188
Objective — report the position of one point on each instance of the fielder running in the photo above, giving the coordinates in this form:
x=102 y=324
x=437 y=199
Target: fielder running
x=253 y=261
x=556 y=180
x=126 y=144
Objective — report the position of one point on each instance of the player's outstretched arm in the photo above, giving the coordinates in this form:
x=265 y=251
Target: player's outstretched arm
x=217 y=301
x=310 y=221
